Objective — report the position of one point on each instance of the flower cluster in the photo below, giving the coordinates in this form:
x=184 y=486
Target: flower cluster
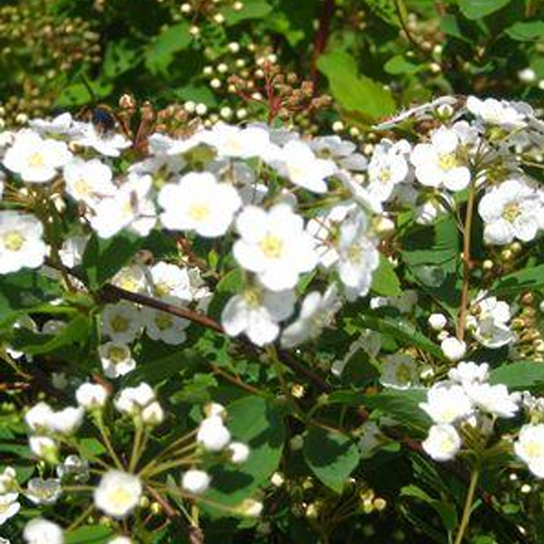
x=462 y=405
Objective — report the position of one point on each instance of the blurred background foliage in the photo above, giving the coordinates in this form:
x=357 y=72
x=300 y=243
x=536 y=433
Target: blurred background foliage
x=371 y=56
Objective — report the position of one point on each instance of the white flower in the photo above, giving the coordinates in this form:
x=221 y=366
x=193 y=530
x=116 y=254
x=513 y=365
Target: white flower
x=42 y=531
x=166 y=327
x=132 y=400
x=437 y=321
x=170 y=280
x=232 y=141
x=71 y=252
x=74 y=467
x=439 y=163
x=199 y=202
x=43 y=447
x=36 y=160
x=61 y=124
x=387 y=168
x=274 y=245
x=510 y=210
x=21 y=243
x=239 y=452
x=41 y=491
x=153 y=414
x=398 y=371
x=297 y=162
x=453 y=349
x=195 y=481
x=213 y=434
x=442 y=443
x=116 y=359
x=358 y=256
x=120 y=540
x=8 y=507
x=447 y=404
x=130 y=207
x=496 y=112
x=316 y=313
x=91 y=395
x=257 y=312
x=213 y=409
x=8 y=480
x=529 y=447
x=118 y=493
x=109 y=144
x=122 y=322
x=251 y=508
x=323 y=227
x=493 y=399
x=132 y=278
x=489 y=324
x=467 y=373
x=67 y=421
x=39 y=417
x=88 y=181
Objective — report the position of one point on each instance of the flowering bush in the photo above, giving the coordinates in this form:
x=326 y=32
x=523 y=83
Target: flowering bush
x=248 y=331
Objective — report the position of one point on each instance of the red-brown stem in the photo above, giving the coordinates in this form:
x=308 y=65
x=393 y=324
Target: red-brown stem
x=321 y=38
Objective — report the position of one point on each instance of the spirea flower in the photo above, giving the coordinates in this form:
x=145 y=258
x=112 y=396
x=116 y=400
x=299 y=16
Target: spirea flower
x=118 y=493
x=199 y=202
x=41 y=531
x=21 y=242
x=442 y=443
x=195 y=481
x=35 y=159
x=257 y=312
x=274 y=245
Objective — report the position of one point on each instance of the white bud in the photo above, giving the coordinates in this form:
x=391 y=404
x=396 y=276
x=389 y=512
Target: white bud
x=238 y=452
x=437 y=321
x=91 y=395
x=212 y=434
x=195 y=481
x=453 y=349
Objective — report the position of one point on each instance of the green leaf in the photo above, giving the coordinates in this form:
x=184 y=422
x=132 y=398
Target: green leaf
x=77 y=94
x=102 y=259
x=520 y=375
x=89 y=534
x=355 y=93
x=385 y=281
x=253 y=9
x=401 y=330
x=331 y=456
x=385 y=10
x=23 y=291
x=526 y=31
x=476 y=9
x=76 y=331
x=162 y=50
x=402 y=405
x=531 y=277
x=399 y=65
x=258 y=423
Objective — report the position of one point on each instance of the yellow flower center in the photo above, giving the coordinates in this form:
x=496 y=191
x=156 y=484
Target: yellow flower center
x=14 y=240
x=199 y=212
x=83 y=187
x=385 y=175
x=354 y=253
x=36 y=160
x=120 y=496
x=117 y=354
x=271 y=246
x=252 y=297
x=447 y=161
x=534 y=450
x=446 y=444
x=162 y=289
x=511 y=212
x=119 y=324
x=163 y=321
